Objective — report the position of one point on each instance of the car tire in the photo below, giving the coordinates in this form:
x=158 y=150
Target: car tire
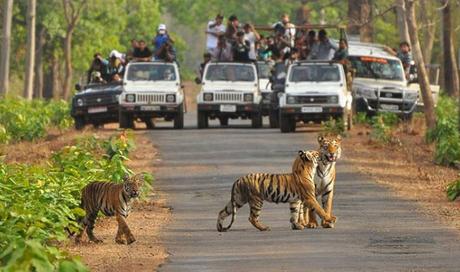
x=79 y=123
x=287 y=123
x=179 y=119
x=125 y=120
x=149 y=123
x=223 y=121
x=97 y=125
x=273 y=118
x=256 y=120
x=202 y=119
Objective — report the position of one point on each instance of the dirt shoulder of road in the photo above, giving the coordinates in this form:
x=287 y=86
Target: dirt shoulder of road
x=145 y=221
x=407 y=169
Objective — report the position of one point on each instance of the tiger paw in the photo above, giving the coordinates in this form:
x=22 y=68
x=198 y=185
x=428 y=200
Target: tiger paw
x=297 y=226
x=312 y=225
x=120 y=241
x=131 y=240
x=96 y=241
x=327 y=225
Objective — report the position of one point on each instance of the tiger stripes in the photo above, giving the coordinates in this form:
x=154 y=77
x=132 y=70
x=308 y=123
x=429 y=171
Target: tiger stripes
x=294 y=188
x=112 y=199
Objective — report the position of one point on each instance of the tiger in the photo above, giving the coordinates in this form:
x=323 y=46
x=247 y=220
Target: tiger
x=112 y=199
x=293 y=188
x=329 y=151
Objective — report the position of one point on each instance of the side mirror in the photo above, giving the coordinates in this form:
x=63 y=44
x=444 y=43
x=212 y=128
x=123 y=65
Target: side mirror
x=197 y=80
x=78 y=87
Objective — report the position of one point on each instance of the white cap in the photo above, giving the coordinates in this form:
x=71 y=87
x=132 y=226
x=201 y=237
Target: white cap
x=162 y=27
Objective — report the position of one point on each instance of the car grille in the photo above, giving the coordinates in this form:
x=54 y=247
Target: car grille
x=313 y=99
x=151 y=98
x=228 y=97
x=100 y=100
x=385 y=94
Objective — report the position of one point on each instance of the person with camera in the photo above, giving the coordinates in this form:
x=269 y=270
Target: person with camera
x=214 y=30
x=99 y=64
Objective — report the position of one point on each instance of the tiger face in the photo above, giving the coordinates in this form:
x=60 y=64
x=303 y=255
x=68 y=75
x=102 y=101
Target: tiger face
x=132 y=185
x=330 y=148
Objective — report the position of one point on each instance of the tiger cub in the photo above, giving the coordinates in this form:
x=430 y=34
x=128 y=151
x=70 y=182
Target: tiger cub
x=294 y=188
x=329 y=151
x=112 y=199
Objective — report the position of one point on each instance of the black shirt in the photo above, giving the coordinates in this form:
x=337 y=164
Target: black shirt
x=241 y=51
x=138 y=53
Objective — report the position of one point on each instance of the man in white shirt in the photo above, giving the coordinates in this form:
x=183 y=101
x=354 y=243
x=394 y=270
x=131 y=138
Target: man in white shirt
x=252 y=36
x=286 y=28
x=214 y=30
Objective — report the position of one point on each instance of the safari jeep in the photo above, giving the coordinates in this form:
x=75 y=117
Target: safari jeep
x=151 y=90
x=230 y=90
x=315 y=91
x=379 y=83
x=264 y=69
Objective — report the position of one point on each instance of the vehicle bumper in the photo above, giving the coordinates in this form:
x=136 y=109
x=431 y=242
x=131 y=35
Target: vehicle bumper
x=400 y=107
x=110 y=114
x=150 y=110
x=242 y=110
x=325 y=114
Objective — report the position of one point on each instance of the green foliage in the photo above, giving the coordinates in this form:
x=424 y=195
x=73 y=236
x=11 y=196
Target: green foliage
x=334 y=127
x=21 y=119
x=38 y=204
x=453 y=190
x=383 y=125
x=361 y=118
x=446 y=135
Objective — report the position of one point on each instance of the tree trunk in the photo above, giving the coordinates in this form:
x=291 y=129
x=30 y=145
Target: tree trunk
x=424 y=82
x=451 y=80
x=39 y=77
x=68 y=62
x=401 y=21
x=5 y=54
x=30 y=51
x=360 y=19
x=429 y=30
x=55 y=82
x=302 y=14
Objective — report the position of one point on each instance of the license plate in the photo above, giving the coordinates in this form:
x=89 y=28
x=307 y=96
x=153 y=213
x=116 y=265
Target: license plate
x=311 y=109
x=97 y=109
x=150 y=108
x=228 y=108
x=389 y=107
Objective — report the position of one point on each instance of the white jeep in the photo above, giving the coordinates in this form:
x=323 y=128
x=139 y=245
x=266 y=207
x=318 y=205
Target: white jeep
x=229 y=90
x=151 y=90
x=315 y=91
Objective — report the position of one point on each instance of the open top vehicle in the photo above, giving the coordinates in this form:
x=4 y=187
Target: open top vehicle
x=96 y=104
x=229 y=90
x=315 y=91
x=151 y=90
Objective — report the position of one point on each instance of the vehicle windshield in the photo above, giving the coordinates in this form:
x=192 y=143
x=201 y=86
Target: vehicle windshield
x=151 y=72
x=264 y=70
x=377 y=68
x=230 y=72
x=315 y=73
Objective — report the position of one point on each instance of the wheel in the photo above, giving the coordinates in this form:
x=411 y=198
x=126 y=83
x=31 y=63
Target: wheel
x=97 y=125
x=79 y=122
x=149 y=123
x=179 y=119
x=273 y=118
x=223 y=121
x=287 y=123
x=125 y=120
x=256 y=120
x=202 y=120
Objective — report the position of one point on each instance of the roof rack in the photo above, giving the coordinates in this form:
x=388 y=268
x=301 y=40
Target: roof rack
x=305 y=26
x=299 y=62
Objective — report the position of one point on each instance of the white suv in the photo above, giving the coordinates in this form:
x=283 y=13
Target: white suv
x=229 y=90
x=151 y=90
x=315 y=91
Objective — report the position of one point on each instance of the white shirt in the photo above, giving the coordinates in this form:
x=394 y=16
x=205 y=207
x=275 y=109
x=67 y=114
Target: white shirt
x=251 y=38
x=211 y=41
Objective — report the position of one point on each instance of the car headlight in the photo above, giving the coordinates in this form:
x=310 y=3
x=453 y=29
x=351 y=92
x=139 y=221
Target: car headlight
x=117 y=97
x=170 y=98
x=366 y=93
x=291 y=100
x=333 y=99
x=208 y=96
x=131 y=98
x=80 y=102
x=410 y=95
x=248 y=97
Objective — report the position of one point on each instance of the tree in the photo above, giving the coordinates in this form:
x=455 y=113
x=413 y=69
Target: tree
x=424 y=82
x=30 y=57
x=428 y=22
x=72 y=14
x=401 y=21
x=360 y=19
x=451 y=81
x=5 y=54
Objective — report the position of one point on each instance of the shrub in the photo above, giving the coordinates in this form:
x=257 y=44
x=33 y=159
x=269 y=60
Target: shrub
x=453 y=190
x=334 y=127
x=383 y=125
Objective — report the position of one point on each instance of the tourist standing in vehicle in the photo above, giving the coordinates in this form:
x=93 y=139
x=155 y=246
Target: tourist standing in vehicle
x=142 y=52
x=134 y=45
x=115 y=67
x=252 y=36
x=161 y=38
x=206 y=60
x=167 y=52
x=404 y=54
x=214 y=30
x=324 y=49
x=99 y=64
x=232 y=28
x=241 y=48
x=287 y=29
x=223 y=51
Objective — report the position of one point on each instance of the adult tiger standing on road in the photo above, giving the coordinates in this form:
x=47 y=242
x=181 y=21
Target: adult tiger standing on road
x=294 y=188
x=329 y=151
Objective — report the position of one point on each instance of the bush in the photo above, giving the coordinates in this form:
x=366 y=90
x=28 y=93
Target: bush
x=39 y=204
x=334 y=127
x=446 y=135
x=453 y=190
x=383 y=125
x=21 y=119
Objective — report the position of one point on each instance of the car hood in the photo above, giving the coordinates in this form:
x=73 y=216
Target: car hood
x=264 y=84
x=100 y=90
x=313 y=88
x=229 y=86
x=152 y=86
x=378 y=84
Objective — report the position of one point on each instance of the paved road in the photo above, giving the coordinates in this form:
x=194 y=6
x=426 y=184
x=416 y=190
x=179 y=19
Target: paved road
x=375 y=231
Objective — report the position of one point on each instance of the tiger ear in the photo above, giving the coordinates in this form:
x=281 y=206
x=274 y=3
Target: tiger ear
x=338 y=138
x=320 y=139
x=126 y=178
x=301 y=153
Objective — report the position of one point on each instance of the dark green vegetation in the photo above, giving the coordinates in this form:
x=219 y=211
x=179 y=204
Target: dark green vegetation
x=38 y=204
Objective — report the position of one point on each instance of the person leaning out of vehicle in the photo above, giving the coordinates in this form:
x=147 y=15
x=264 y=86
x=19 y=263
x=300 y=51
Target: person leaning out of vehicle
x=404 y=54
x=214 y=30
x=341 y=56
x=241 y=48
x=323 y=49
x=101 y=65
x=223 y=51
x=142 y=52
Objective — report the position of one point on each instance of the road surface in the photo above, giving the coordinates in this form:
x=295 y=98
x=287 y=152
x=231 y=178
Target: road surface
x=375 y=230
